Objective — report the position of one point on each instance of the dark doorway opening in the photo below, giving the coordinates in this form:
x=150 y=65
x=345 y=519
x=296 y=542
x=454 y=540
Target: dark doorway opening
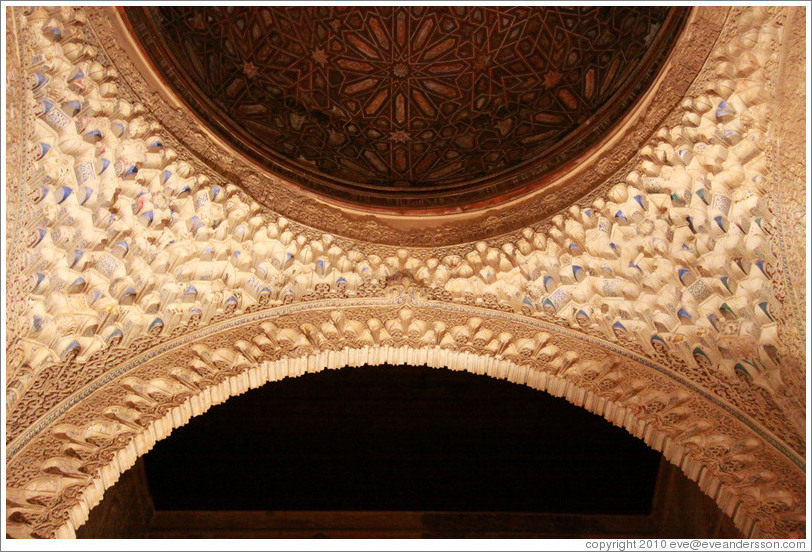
x=401 y=438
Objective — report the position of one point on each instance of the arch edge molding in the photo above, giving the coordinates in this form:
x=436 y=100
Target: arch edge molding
x=92 y=443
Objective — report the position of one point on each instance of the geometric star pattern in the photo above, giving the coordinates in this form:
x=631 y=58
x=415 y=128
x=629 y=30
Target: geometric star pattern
x=410 y=107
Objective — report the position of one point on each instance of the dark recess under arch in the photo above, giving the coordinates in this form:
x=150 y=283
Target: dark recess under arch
x=401 y=438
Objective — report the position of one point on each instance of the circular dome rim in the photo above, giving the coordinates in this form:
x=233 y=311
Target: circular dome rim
x=289 y=173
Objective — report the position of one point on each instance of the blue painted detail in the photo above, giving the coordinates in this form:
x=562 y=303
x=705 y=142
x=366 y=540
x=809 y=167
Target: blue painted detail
x=77 y=283
x=723 y=110
x=114 y=334
x=77 y=256
x=53 y=30
x=126 y=293
x=44 y=191
x=40 y=232
x=765 y=309
x=74 y=345
x=87 y=193
x=72 y=107
x=40 y=278
x=719 y=220
x=41 y=80
x=94 y=135
x=64 y=192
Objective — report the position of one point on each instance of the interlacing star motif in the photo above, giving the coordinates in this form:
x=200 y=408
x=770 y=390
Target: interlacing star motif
x=320 y=56
x=400 y=97
x=249 y=69
x=399 y=136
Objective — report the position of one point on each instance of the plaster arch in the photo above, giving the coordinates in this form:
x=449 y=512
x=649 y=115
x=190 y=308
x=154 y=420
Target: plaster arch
x=93 y=442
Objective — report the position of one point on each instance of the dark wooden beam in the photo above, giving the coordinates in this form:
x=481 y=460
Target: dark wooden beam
x=125 y=511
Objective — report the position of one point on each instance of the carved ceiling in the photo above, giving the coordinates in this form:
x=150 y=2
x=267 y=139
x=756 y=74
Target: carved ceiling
x=410 y=107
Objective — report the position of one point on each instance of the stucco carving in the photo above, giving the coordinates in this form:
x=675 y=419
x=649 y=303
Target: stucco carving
x=129 y=258
x=64 y=472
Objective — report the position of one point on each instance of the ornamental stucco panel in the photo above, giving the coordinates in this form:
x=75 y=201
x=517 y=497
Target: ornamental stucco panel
x=146 y=284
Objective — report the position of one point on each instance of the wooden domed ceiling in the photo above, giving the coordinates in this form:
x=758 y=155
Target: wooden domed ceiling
x=410 y=108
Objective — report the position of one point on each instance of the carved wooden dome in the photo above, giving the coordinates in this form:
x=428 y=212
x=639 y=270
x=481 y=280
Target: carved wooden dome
x=410 y=108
